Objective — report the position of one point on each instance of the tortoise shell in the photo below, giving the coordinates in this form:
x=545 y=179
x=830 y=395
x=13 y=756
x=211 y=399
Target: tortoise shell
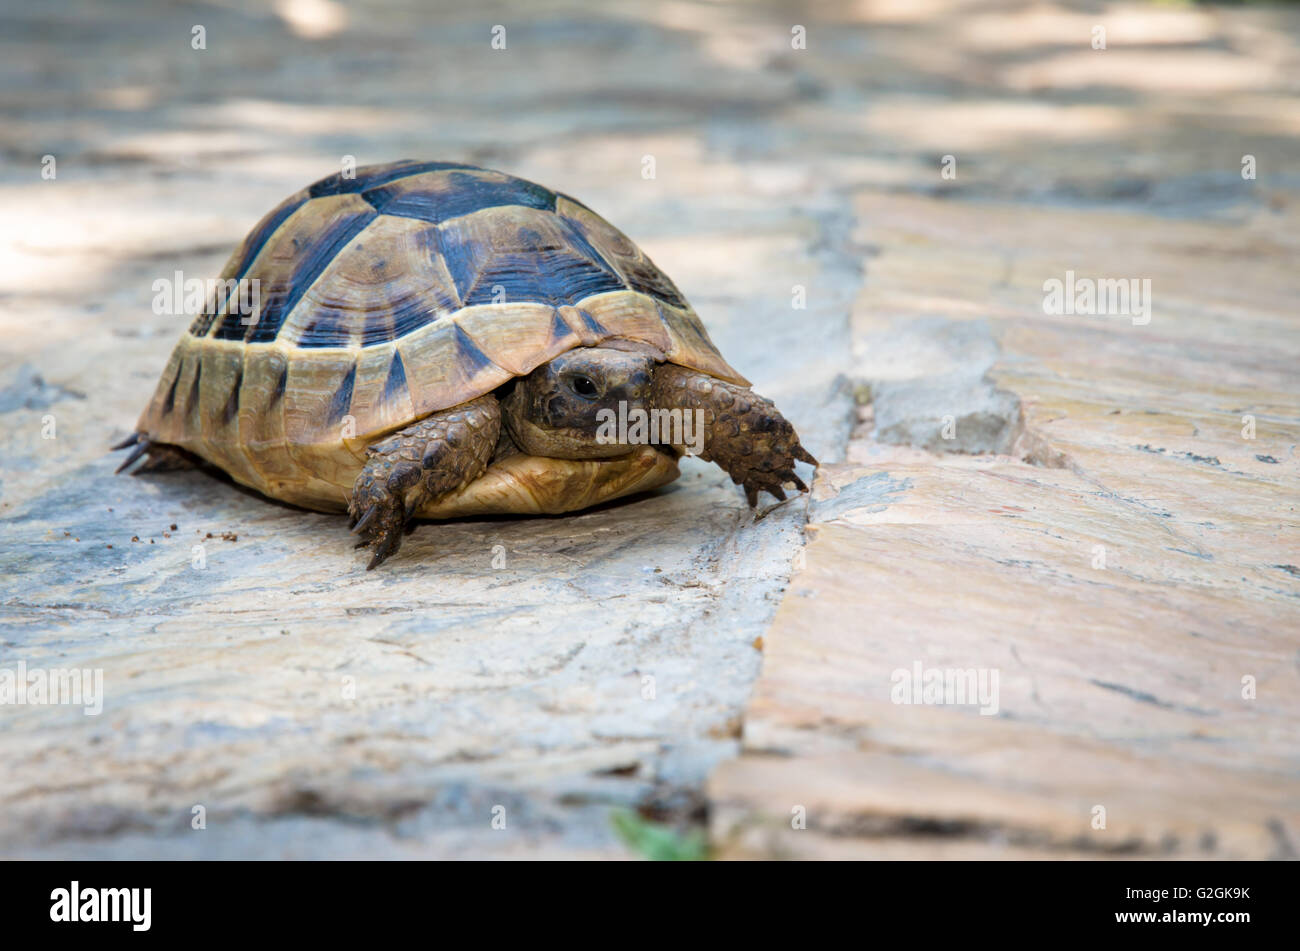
x=393 y=293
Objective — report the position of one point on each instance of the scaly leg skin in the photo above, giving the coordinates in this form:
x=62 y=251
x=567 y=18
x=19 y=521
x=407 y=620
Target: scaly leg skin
x=426 y=460
x=744 y=433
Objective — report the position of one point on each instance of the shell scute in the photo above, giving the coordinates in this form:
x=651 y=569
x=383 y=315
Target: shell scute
x=439 y=198
x=521 y=254
x=376 y=176
x=636 y=271
x=383 y=286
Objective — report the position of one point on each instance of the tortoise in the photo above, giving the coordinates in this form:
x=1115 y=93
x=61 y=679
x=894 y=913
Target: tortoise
x=435 y=339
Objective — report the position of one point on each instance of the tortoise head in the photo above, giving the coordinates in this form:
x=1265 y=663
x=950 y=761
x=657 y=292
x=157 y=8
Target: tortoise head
x=568 y=408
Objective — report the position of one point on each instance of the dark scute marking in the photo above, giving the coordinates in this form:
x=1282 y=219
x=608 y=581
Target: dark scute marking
x=253 y=245
x=548 y=277
x=342 y=400
x=170 y=400
x=263 y=330
x=534 y=268
x=408 y=312
x=262 y=233
x=559 y=329
x=464 y=258
x=194 y=387
x=328 y=328
x=530 y=241
x=651 y=281
x=235 y=325
x=395 y=385
x=578 y=240
x=232 y=404
x=406 y=317
x=593 y=324
x=199 y=327
x=377 y=176
x=277 y=394
x=527 y=266
x=311 y=262
x=466 y=195
x=469 y=355
x=232 y=327
x=641 y=275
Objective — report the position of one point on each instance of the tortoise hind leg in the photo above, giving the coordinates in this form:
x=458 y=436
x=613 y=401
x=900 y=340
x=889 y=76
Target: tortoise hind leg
x=165 y=458
x=162 y=457
x=744 y=433
x=423 y=462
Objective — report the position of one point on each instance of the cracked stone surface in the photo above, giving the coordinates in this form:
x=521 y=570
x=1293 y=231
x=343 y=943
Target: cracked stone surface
x=559 y=667
x=1127 y=568
x=929 y=387
x=957 y=414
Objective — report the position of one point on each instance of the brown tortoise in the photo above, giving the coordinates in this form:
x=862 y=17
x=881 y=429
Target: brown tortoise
x=432 y=340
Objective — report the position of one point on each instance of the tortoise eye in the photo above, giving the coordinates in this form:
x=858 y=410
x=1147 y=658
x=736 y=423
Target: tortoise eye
x=584 y=387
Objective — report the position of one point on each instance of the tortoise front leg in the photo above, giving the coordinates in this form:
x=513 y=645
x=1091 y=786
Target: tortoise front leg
x=743 y=432
x=423 y=462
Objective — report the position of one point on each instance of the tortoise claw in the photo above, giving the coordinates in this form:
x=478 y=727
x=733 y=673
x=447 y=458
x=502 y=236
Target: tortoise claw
x=141 y=447
x=359 y=527
x=765 y=482
x=789 y=475
x=386 y=542
x=803 y=455
x=378 y=512
x=759 y=478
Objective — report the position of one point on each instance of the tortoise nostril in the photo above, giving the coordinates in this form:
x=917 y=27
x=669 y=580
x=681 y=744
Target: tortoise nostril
x=630 y=393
